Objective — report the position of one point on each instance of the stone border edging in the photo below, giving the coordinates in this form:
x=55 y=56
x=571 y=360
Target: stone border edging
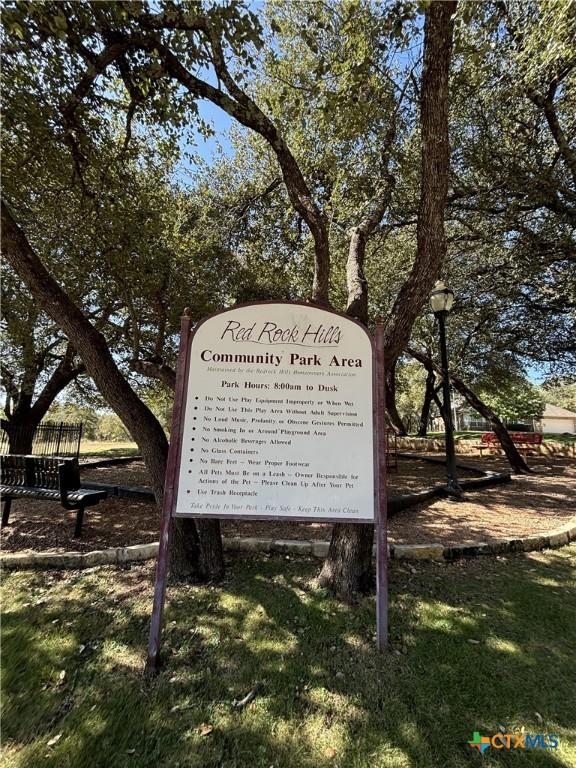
x=395 y=503
x=428 y=551
x=465 y=447
x=110 y=462
x=116 y=556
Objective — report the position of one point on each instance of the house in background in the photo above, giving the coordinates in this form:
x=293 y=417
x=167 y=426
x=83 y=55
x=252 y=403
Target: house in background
x=466 y=419
x=557 y=421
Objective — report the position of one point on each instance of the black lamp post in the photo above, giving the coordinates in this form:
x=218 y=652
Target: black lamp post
x=441 y=300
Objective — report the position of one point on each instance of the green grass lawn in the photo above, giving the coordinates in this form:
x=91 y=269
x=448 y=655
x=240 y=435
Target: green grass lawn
x=106 y=448
x=476 y=646
x=475 y=436
x=457 y=436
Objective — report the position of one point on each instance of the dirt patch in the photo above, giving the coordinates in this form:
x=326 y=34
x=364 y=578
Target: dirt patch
x=132 y=473
x=46 y=527
x=529 y=505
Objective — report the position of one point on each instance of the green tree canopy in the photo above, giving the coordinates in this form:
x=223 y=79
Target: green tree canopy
x=519 y=401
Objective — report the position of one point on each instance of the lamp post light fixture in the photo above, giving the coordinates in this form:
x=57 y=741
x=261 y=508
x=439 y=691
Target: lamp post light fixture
x=441 y=301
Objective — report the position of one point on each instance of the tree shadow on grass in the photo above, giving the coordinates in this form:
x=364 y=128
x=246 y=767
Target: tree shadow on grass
x=442 y=687
x=327 y=697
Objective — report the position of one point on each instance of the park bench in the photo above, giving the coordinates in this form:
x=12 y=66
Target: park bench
x=51 y=478
x=524 y=441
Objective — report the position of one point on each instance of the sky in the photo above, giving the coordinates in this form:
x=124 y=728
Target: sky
x=207 y=149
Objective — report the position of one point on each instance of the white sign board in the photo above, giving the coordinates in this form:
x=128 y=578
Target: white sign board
x=278 y=417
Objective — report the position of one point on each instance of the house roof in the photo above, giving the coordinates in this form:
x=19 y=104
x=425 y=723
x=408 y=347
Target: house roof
x=555 y=412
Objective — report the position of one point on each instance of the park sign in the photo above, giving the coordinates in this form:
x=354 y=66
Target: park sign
x=278 y=414
x=278 y=419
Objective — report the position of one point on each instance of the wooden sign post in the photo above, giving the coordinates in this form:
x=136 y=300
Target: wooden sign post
x=278 y=414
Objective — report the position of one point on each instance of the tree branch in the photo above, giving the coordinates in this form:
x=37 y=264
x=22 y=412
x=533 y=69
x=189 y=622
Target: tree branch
x=516 y=461
x=65 y=372
x=160 y=371
x=546 y=102
x=243 y=210
x=91 y=346
x=245 y=111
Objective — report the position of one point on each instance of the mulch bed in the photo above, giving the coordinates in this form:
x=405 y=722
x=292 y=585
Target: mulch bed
x=528 y=505
x=413 y=475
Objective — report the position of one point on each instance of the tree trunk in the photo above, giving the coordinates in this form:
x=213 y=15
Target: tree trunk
x=428 y=397
x=20 y=435
x=185 y=551
x=355 y=277
x=435 y=163
x=100 y=365
x=211 y=552
x=347 y=568
x=515 y=459
x=27 y=416
x=395 y=418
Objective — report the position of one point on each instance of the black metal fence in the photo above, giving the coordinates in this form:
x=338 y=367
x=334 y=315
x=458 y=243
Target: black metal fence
x=48 y=439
